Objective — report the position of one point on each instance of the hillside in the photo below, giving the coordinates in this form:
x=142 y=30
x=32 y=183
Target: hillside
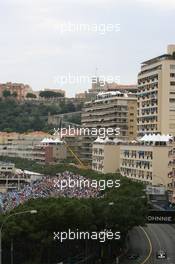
x=28 y=116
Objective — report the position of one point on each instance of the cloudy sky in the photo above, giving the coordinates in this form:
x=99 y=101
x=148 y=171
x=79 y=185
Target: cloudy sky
x=34 y=50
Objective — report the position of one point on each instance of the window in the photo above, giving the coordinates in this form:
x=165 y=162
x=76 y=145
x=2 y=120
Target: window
x=172 y=67
x=172 y=83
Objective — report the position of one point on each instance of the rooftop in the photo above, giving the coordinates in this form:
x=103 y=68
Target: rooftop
x=159 y=58
x=170 y=55
x=51 y=141
x=3 y=163
x=151 y=138
x=100 y=97
x=156 y=138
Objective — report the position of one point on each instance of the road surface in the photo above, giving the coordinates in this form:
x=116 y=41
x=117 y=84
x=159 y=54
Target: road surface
x=157 y=237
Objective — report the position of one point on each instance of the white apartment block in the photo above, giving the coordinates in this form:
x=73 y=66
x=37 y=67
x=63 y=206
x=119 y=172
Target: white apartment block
x=149 y=160
x=109 y=110
x=156 y=95
x=106 y=155
x=32 y=146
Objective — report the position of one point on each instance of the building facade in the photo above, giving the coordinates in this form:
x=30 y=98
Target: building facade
x=12 y=179
x=100 y=85
x=142 y=163
x=36 y=146
x=109 y=110
x=17 y=90
x=156 y=95
x=106 y=156
x=149 y=160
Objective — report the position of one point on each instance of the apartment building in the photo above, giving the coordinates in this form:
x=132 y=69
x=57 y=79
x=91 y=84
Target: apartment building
x=37 y=146
x=130 y=88
x=6 y=167
x=22 y=145
x=81 y=95
x=106 y=155
x=12 y=178
x=109 y=110
x=74 y=144
x=100 y=85
x=150 y=160
x=54 y=150
x=156 y=94
x=18 y=90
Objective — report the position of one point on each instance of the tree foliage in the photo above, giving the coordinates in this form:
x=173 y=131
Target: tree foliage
x=6 y=93
x=29 y=116
x=50 y=94
x=33 y=235
x=31 y=95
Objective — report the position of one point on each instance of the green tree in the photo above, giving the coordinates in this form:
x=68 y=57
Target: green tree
x=20 y=117
x=50 y=94
x=33 y=235
x=6 y=93
x=8 y=130
x=31 y=95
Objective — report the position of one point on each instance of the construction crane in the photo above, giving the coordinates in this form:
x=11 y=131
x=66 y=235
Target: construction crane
x=81 y=165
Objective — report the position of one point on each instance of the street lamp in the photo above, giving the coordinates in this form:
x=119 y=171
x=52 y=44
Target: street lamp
x=5 y=220
x=33 y=211
x=111 y=203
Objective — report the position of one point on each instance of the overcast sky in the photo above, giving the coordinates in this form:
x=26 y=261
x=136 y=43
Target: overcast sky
x=33 y=50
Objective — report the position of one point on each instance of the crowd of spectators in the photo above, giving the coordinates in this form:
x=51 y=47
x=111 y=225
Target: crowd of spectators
x=45 y=187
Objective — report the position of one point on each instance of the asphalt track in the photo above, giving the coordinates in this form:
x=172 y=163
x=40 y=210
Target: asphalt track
x=146 y=241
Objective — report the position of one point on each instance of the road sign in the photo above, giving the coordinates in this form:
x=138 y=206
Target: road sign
x=155 y=190
x=161 y=217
